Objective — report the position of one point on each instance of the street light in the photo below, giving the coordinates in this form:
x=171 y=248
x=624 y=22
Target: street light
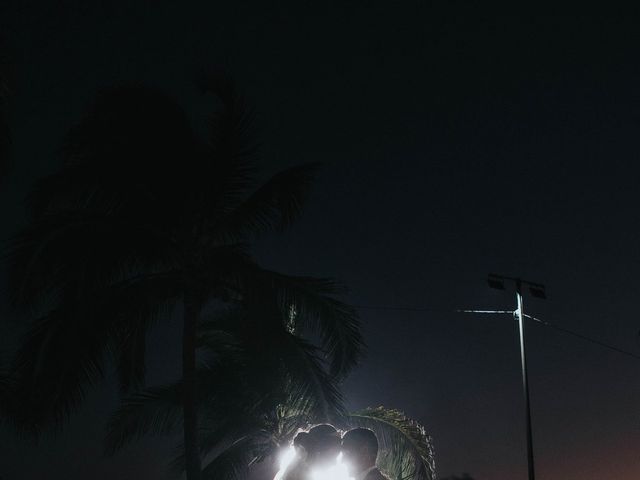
x=537 y=290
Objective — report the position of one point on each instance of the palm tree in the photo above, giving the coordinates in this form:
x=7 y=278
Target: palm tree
x=144 y=222
x=406 y=449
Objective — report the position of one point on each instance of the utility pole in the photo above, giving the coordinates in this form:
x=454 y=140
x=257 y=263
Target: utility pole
x=536 y=290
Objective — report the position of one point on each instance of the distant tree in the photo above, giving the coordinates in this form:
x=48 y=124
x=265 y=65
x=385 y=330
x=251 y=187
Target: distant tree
x=145 y=222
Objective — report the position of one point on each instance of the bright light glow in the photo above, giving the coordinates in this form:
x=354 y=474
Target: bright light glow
x=286 y=458
x=336 y=471
x=332 y=471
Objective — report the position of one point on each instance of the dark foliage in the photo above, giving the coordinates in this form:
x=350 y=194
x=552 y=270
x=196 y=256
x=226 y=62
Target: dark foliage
x=258 y=382
x=145 y=221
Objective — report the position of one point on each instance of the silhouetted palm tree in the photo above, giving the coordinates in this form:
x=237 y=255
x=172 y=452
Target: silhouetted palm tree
x=144 y=221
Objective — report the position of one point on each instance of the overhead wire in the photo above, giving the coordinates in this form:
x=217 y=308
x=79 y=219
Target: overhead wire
x=583 y=337
x=535 y=319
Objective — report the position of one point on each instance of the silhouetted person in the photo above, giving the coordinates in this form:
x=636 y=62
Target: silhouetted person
x=316 y=449
x=325 y=445
x=360 y=450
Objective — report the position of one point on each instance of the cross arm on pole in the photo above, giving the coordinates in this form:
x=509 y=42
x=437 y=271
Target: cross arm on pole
x=497 y=281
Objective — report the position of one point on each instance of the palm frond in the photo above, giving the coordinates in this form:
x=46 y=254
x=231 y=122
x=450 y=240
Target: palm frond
x=133 y=306
x=228 y=158
x=275 y=205
x=74 y=187
x=233 y=462
x=239 y=213
x=407 y=450
x=312 y=299
x=232 y=126
x=317 y=309
x=121 y=156
x=287 y=420
x=62 y=356
x=58 y=249
x=225 y=319
x=229 y=409
x=310 y=387
x=224 y=402
x=157 y=410
x=277 y=360
x=219 y=431
x=131 y=342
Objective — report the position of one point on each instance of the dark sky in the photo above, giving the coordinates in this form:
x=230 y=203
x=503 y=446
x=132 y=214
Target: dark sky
x=456 y=143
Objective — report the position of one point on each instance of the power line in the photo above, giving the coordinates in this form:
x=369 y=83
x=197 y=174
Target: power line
x=404 y=309
x=583 y=337
x=538 y=320
x=491 y=312
x=426 y=309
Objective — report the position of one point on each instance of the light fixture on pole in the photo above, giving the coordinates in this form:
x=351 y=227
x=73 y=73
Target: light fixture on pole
x=537 y=290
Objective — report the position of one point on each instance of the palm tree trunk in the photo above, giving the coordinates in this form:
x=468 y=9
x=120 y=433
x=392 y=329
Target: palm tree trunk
x=191 y=447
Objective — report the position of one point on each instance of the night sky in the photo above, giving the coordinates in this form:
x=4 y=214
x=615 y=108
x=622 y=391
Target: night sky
x=455 y=143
